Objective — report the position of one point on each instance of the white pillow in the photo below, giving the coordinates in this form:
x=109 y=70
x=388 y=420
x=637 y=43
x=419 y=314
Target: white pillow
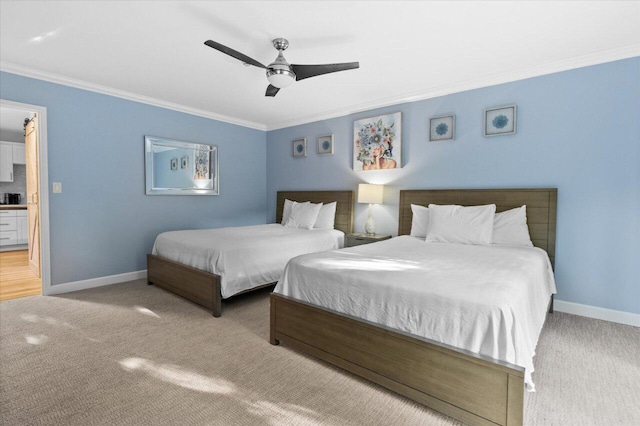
x=510 y=228
x=286 y=211
x=461 y=225
x=327 y=216
x=303 y=215
x=420 y=221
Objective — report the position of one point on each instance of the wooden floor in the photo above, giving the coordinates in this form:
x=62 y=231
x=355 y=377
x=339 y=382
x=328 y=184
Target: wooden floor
x=16 y=279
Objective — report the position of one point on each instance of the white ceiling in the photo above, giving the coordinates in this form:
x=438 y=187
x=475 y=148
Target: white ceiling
x=12 y=120
x=153 y=50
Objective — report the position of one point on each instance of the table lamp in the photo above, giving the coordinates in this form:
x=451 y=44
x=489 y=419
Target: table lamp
x=372 y=194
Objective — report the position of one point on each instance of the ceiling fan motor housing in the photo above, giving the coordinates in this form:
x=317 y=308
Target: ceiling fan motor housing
x=279 y=72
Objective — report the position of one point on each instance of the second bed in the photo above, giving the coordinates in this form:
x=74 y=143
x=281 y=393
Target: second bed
x=451 y=326
x=208 y=265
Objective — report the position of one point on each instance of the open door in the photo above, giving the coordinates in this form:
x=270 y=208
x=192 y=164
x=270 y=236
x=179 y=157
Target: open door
x=33 y=207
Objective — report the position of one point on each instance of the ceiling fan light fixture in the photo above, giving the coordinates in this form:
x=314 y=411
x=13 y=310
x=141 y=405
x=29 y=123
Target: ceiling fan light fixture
x=280 y=73
x=280 y=77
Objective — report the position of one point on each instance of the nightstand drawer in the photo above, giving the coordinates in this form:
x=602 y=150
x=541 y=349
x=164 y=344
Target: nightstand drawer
x=356 y=241
x=352 y=240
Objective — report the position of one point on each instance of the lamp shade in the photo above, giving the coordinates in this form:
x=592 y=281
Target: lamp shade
x=368 y=193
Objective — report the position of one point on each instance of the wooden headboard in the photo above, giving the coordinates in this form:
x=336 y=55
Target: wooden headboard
x=541 y=208
x=344 y=206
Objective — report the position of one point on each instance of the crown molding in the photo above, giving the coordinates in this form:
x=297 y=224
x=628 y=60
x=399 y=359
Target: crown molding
x=105 y=90
x=476 y=83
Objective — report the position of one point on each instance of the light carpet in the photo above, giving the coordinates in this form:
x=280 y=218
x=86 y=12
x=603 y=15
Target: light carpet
x=132 y=354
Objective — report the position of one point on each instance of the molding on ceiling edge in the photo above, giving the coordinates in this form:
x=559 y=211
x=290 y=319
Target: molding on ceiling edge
x=487 y=81
x=612 y=55
x=105 y=90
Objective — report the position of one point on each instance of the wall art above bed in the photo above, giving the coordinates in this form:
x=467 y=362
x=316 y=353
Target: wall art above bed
x=377 y=142
x=300 y=147
x=325 y=144
x=500 y=121
x=442 y=128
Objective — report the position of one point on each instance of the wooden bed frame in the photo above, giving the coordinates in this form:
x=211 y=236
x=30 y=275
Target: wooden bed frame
x=469 y=387
x=203 y=287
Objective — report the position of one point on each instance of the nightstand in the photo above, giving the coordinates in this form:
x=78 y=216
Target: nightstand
x=352 y=240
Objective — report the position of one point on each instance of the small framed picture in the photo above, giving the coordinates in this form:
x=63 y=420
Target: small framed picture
x=325 y=144
x=300 y=147
x=174 y=163
x=500 y=121
x=184 y=162
x=442 y=128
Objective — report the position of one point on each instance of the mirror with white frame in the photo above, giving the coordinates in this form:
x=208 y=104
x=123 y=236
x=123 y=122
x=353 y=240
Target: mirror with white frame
x=175 y=167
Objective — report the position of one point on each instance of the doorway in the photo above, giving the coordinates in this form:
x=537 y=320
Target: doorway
x=24 y=252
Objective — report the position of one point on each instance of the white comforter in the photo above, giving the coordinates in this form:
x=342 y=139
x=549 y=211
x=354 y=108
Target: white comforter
x=244 y=257
x=490 y=300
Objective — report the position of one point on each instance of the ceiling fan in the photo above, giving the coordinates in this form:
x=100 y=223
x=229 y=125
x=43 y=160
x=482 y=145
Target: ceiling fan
x=281 y=73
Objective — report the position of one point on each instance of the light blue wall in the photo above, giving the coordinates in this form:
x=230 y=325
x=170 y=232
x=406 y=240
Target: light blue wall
x=578 y=131
x=103 y=223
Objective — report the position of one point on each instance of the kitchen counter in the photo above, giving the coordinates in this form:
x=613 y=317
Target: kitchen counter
x=13 y=206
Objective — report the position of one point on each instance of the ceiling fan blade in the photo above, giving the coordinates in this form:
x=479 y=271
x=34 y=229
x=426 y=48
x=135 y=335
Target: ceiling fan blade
x=306 y=71
x=272 y=91
x=234 y=53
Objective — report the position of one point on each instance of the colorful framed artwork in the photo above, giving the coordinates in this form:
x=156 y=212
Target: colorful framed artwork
x=184 y=162
x=377 y=142
x=202 y=163
x=174 y=163
x=442 y=128
x=300 y=147
x=500 y=121
x=325 y=144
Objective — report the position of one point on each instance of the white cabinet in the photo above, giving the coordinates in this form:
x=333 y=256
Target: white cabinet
x=23 y=226
x=19 y=154
x=11 y=153
x=6 y=162
x=13 y=227
x=8 y=228
x=8 y=238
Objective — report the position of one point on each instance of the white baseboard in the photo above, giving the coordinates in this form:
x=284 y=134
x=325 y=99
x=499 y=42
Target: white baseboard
x=95 y=282
x=621 y=317
x=14 y=248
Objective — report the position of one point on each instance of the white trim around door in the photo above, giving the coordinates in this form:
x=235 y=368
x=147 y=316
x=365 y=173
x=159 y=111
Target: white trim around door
x=43 y=190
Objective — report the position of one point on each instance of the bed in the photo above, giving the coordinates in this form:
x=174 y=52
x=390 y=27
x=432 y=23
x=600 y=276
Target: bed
x=473 y=388
x=191 y=276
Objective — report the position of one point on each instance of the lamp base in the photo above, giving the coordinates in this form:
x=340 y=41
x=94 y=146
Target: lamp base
x=370 y=227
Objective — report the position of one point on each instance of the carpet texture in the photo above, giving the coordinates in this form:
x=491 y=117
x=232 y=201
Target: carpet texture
x=132 y=354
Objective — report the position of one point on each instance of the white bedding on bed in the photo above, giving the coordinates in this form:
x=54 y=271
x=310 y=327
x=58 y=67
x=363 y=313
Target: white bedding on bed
x=245 y=257
x=490 y=300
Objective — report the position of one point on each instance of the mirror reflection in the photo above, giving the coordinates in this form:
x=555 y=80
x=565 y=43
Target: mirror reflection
x=180 y=168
